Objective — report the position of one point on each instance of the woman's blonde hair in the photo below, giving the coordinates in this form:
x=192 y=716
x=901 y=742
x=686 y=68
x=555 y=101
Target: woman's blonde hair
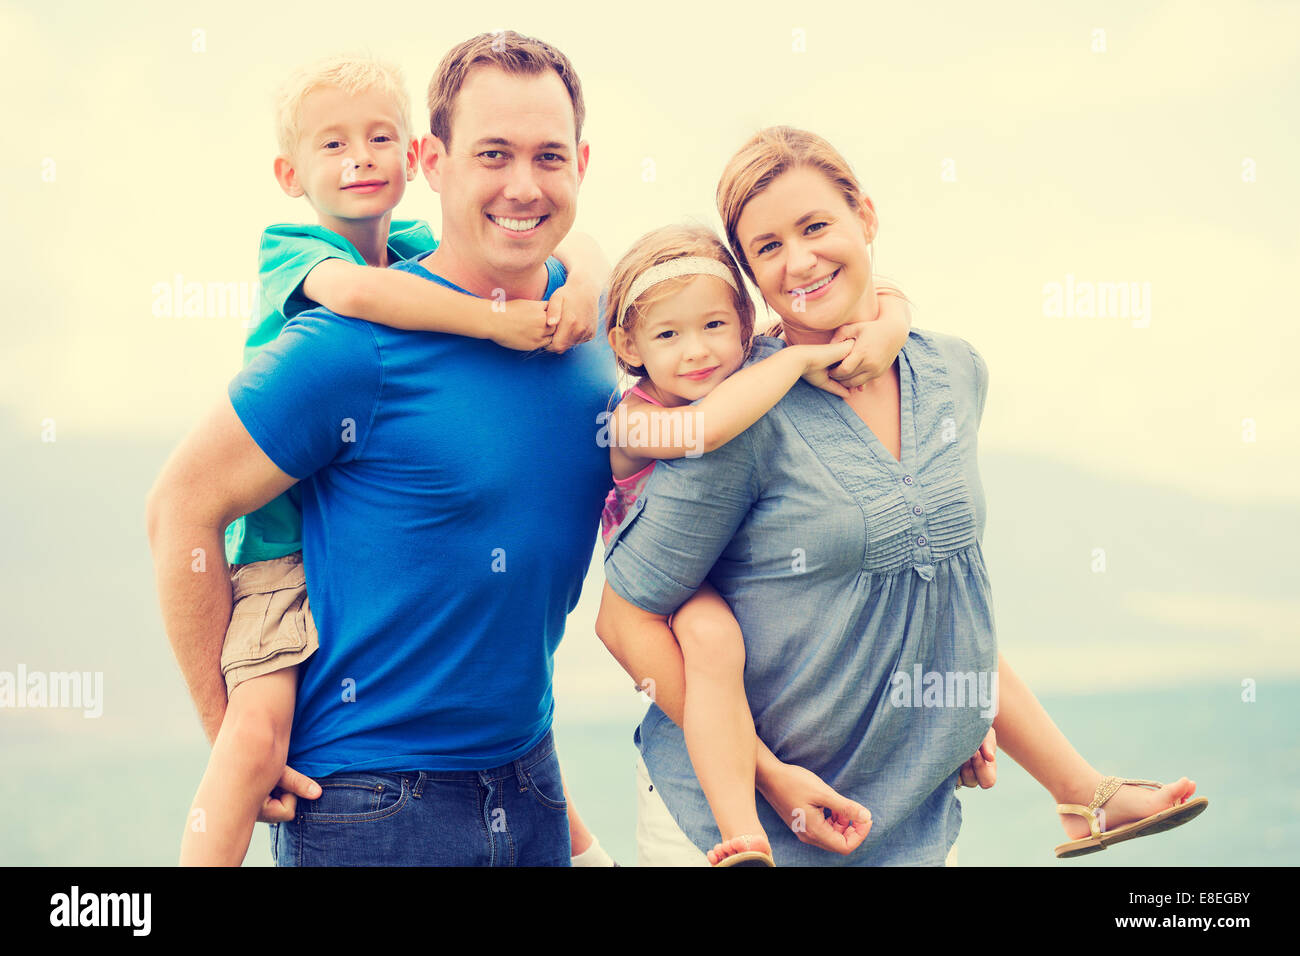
x=663 y=245
x=769 y=153
x=353 y=75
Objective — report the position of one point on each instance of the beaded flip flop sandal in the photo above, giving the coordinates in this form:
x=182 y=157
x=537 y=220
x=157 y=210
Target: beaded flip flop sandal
x=747 y=857
x=1166 y=819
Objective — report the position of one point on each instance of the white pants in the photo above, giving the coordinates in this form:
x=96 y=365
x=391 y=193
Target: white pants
x=661 y=842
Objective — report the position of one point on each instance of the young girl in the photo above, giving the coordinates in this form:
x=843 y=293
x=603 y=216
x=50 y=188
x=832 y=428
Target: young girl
x=806 y=245
x=678 y=317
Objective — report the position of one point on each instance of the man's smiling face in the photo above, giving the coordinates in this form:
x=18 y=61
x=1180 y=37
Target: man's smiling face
x=509 y=178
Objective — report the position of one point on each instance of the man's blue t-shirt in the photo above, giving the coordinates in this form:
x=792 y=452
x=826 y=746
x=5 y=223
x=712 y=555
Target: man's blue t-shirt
x=451 y=493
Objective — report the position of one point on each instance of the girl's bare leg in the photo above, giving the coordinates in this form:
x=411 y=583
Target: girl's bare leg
x=1028 y=735
x=247 y=760
x=718 y=726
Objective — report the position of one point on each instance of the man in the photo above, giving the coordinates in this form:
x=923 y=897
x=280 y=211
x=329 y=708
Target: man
x=451 y=490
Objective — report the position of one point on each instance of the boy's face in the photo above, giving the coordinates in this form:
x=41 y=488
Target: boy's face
x=350 y=161
x=509 y=182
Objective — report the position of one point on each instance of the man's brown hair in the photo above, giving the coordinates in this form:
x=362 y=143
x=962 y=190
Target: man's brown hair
x=509 y=51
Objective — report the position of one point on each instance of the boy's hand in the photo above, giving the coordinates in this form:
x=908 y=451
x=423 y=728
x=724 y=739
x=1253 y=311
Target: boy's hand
x=571 y=314
x=799 y=796
x=521 y=325
x=282 y=804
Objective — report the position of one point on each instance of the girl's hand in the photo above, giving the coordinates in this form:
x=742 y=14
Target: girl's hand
x=800 y=798
x=867 y=359
x=521 y=325
x=817 y=361
x=571 y=315
x=878 y=341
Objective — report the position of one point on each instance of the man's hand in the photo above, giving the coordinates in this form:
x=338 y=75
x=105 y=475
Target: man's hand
x=982 y=769
x=571 y=315
x=282 y=803
x=799 y=796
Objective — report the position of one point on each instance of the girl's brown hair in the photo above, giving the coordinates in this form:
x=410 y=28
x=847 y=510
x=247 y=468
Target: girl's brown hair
x=663 y=245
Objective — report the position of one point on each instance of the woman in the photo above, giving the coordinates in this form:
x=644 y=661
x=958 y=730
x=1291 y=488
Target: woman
x=844 y=533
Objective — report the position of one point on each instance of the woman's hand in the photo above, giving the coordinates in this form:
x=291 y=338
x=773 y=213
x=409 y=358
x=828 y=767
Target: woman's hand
x=817 y=360
x=982 y=769
x=799 y=797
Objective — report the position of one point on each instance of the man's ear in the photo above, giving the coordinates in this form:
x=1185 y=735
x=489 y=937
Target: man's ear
x=584 y=157
x=432 y=159
x=287 y=176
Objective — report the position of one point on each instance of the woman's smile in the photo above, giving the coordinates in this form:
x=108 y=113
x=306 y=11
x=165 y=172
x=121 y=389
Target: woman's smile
x=817 y=289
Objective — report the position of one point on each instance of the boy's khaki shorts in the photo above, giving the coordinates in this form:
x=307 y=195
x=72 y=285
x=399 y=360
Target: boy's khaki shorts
x=271 y=626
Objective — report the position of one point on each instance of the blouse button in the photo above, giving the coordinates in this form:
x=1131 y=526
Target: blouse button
x=907 y=479
x=921 y=541
x=917 y=510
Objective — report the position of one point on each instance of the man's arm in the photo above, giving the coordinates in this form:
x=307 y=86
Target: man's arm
x=215 y=475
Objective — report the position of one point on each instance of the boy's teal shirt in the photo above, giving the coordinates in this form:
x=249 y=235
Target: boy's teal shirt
x=288 y=252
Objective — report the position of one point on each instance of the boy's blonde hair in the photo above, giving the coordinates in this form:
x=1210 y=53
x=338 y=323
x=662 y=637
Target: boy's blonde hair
x=352 y=74
x=663 y=245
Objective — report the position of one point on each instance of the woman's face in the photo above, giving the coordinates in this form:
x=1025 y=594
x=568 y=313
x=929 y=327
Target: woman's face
x=809 y=250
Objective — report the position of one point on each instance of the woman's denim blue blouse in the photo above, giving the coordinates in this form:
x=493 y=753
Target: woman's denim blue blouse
x=859 y=583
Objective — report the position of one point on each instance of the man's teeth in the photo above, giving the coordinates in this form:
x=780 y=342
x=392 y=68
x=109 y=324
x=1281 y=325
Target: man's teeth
x=516 y=225
x=816 y=285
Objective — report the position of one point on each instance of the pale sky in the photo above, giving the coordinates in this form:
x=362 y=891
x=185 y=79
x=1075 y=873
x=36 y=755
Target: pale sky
x=1004 y=151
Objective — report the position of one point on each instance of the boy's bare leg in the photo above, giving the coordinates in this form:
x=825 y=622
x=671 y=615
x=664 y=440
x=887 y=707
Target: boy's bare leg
x=1027 y=733
x=247 y=760
x=719 y=728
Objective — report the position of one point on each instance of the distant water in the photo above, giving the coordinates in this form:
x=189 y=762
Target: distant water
x=68 y=801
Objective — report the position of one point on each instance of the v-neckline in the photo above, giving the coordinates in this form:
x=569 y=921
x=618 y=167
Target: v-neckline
x=906 y=430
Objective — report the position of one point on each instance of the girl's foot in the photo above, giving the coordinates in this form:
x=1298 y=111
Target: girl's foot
x=1128 y=805
x=746 y=842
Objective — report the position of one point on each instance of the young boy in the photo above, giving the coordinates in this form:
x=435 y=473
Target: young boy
x=345 y=145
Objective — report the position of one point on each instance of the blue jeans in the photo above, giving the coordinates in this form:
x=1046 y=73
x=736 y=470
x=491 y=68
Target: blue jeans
x=513 y=815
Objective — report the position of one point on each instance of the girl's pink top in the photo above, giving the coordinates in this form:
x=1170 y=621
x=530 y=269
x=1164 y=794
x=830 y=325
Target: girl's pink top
x=625 y=490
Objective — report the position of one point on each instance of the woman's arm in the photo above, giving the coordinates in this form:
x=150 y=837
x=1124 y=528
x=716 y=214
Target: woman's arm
x=687 y=514
x=644 y=432
x=643 y=643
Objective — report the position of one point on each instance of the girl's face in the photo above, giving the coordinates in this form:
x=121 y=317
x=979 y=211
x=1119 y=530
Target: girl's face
x=809 y=251
x=688 y=342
